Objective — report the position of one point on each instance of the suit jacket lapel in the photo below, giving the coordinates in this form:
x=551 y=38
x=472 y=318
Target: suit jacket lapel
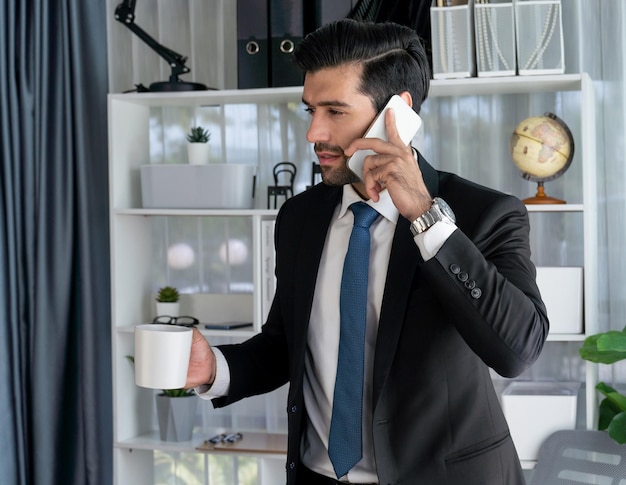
x=403 y=262
x=309 y=255
x=402 y=266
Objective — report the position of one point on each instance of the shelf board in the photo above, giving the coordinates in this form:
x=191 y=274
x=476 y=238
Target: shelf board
x=274 y=212
x=552 y=337
x=266 y=444
x=555 y=207
x=505 y=85
x=249 y=332
x=214 y=97
x=438 y=88
x=197 y=212
x=566 y=337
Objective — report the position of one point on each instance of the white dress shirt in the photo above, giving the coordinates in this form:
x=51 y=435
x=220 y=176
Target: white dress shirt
x=323 y=333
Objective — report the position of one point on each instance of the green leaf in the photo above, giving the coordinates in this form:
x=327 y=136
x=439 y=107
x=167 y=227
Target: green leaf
x=177 y=392
x=167 y=294
x=604 y=348
x=612 y=341
x=607 y=411
x=611 y=394
x=617 y=428
x=198 y=135
x=604 y=388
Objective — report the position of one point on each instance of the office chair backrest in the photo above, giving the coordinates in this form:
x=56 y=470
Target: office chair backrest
x=571 y=457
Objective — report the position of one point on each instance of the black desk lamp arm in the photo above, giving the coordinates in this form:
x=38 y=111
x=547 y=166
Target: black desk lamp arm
x=125 y=13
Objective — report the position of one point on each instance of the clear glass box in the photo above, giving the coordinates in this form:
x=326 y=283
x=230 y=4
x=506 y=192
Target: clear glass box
x=452 y=32
x=495 y=38
x=539 y=37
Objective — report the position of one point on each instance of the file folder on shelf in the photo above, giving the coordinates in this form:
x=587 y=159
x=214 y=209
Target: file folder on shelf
x=268 y=33
x=326 y=11
x=252 y=44
x=286 y=31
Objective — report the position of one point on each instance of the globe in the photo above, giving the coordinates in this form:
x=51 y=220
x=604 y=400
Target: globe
x=542 y=148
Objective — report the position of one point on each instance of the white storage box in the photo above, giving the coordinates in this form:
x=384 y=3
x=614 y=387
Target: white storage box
x=452 y=35
x=495 y=38
x=539 y=36
x=535 y=410
x=213 y=186
x=562 y=292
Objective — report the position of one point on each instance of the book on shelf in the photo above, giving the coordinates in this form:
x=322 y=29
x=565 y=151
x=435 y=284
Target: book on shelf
x=226 y=325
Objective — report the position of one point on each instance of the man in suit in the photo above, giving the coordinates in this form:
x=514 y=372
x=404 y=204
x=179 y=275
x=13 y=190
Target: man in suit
x=451 y=289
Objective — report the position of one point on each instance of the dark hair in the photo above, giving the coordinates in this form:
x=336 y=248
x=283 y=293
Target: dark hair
x=393 y=57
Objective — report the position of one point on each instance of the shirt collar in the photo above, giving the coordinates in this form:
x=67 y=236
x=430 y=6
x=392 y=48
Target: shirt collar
x=384 y=206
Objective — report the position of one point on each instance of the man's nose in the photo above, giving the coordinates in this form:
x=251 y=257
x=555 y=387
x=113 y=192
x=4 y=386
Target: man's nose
x=317 y=131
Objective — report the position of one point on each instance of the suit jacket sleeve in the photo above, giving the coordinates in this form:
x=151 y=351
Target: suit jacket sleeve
x=484 y=278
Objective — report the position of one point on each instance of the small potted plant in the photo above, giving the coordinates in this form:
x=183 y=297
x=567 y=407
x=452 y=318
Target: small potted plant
x=609 y=348
x=198 y=149
x=176 y=416
x=168 y=301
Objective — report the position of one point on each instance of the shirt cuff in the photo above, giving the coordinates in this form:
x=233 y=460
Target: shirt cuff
x=221 y=384
x=430 y=242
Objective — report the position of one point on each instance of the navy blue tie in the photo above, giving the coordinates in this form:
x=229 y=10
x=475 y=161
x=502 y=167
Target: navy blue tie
x=345 y=440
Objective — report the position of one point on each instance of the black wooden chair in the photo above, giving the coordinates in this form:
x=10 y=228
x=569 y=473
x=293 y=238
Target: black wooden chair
x=316 y=170
x=284 y=177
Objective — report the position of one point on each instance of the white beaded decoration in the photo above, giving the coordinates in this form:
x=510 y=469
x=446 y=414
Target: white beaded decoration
x=485 y=17
x=549 y=27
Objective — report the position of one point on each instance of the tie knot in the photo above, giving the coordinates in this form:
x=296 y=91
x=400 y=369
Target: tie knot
x=364 y=215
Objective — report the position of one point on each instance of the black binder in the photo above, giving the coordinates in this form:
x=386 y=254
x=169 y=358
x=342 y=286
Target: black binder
x=327 y=11
x=252 y=44
x=286 y=31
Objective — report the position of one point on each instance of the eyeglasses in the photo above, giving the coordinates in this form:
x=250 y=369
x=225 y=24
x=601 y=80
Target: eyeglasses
x=224 y=438
x=182 y=321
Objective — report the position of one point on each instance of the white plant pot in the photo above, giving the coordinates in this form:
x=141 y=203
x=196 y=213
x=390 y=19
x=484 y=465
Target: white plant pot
x=171 y=309
x=198 y=153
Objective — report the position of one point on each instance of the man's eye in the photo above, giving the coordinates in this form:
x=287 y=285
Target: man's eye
x=335 y=112
x=309 y=110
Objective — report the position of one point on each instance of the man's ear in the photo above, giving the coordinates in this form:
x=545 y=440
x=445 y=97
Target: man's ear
x=406 y=96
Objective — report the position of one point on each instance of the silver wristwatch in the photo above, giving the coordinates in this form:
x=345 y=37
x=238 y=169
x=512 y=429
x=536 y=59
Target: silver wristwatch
x=439 y=211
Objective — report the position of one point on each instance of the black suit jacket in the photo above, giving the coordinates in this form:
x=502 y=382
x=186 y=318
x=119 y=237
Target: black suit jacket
x=443 y=324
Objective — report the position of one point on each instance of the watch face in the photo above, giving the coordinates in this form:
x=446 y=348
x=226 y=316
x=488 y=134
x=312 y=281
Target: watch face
x=445 y=209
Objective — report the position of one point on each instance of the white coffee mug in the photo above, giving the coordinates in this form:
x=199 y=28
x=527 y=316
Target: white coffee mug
x=162 y=355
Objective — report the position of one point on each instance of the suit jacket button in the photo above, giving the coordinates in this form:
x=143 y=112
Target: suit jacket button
x=470 y=284
x=455 y=268
x=293 y=409
x=292 y=465
x=462 y=276
x=476 y=293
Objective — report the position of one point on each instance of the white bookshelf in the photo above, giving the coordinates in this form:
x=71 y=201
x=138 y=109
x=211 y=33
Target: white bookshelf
x=135 y=438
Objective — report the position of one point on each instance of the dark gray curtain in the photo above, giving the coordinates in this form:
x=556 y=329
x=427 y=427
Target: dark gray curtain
x=55 y=407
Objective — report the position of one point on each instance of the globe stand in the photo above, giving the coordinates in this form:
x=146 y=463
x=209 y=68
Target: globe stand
x=541 y=197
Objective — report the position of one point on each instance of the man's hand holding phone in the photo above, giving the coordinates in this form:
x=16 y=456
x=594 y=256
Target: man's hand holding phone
x=408 y=124
x=387 y=162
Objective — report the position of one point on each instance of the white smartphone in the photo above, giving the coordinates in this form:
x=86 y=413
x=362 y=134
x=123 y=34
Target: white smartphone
x=407 y=121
